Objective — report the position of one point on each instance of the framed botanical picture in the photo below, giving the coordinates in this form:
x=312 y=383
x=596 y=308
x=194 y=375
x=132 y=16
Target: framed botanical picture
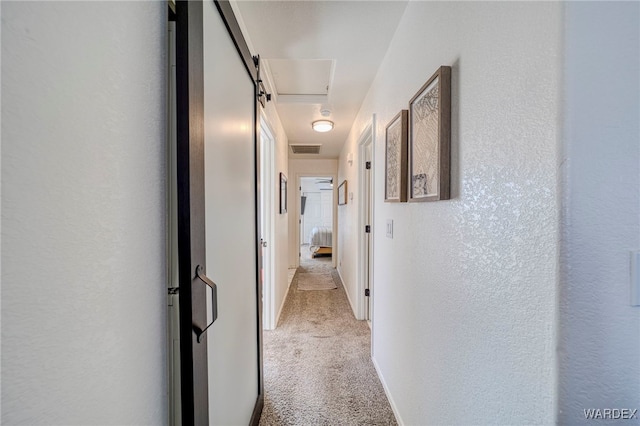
x=430 y=139
x=396 y=134
x=283 y=193
x=342 y=193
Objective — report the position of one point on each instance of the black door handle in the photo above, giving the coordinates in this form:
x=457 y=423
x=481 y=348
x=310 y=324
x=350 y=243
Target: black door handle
x=214 y=302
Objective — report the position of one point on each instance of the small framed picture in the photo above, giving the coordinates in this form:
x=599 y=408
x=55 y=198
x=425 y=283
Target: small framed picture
x=396 y=135
x=430 y=139
x=342 y=193
x=283 y=193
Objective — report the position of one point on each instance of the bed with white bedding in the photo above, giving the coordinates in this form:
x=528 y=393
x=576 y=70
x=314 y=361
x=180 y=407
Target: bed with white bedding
x=320 y=240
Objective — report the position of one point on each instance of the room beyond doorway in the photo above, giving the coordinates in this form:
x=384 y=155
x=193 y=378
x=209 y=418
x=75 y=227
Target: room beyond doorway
x=316 y=216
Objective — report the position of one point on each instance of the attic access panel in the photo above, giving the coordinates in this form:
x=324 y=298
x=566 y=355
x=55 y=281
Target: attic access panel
x=302 y=77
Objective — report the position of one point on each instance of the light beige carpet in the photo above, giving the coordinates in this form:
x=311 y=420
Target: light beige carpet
x=317 y=364
x=315 y=281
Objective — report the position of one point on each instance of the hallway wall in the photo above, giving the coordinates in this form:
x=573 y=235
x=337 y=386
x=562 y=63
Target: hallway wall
x=599 y=339
x=84 y=296
x=281 y=225
x=281 y=155
x=465 y=293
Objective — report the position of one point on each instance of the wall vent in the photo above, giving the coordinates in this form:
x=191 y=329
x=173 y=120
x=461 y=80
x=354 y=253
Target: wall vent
x=305 y=149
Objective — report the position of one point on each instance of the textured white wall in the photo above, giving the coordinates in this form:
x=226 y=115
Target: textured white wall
x=297 y=168
x=599 y=338
x=349 y=229
x=280 y=245
x=465 y=292
x=83 y=213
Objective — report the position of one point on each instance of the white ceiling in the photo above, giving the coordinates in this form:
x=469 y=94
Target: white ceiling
x=309 y=45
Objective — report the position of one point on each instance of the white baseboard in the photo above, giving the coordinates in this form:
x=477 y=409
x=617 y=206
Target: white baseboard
x=275 y=325
x=290 y=280
x=353 y=309
x=394 y=407
x=286 y=294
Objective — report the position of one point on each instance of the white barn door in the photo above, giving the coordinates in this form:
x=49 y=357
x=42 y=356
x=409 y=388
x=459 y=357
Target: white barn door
x=218 y=220
x=230 y=221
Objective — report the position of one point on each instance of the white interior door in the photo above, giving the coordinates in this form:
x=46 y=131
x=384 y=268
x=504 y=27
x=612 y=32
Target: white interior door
x=173 y=279
x=231 y=240
x=267 y=209
x=326 y=208
x=368 y=219
x=312 y=214
x=365 y=293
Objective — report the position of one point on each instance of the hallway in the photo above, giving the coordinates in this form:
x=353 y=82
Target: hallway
x=317 y=364
x=516 y=301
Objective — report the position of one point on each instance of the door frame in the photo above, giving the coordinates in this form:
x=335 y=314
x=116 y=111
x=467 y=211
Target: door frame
x=268 y=234
x=194 y=386
x=367 y=137
x=334 y=219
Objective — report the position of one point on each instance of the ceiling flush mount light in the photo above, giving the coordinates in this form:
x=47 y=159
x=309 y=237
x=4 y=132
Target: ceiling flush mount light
x=322 y=125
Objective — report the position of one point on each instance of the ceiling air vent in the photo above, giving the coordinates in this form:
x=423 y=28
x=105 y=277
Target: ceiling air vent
x=305 y=149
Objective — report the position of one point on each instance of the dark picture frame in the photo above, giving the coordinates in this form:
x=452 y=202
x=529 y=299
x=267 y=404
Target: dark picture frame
x=342 y=193
x=283 y=193
x=396 y=141
x=429 y=155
